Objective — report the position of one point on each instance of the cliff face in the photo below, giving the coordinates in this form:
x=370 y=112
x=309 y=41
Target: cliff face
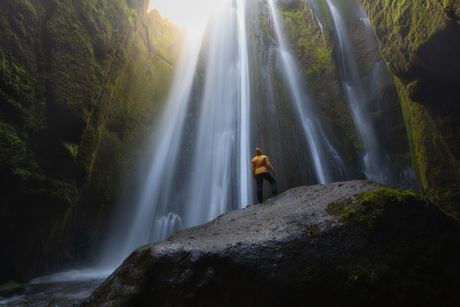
x=420 y=41
x=274 y=124
x=309 y=30
x=70 y=73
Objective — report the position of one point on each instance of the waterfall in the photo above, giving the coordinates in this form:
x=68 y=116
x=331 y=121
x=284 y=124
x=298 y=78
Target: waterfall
x=359 y=91
x=151 y=205
x=355 y=96
x=184 y=187
x=326 y=165
x=221 y=171
x=199 y=166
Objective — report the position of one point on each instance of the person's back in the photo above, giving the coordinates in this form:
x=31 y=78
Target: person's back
x=259 y=165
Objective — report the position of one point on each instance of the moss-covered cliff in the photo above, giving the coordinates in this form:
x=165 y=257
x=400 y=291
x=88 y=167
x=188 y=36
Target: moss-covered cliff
x=420 y=41
x=274 y=127
x=78 y=82
x=309 y=30
x=309 y=33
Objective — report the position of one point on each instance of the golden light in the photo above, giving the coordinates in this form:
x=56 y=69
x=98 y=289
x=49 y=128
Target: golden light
x=191 y=13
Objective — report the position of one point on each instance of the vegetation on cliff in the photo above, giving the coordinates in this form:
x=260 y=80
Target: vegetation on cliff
x=63 y=69
x=420 y=42
x=311 y=42
x=308 y=29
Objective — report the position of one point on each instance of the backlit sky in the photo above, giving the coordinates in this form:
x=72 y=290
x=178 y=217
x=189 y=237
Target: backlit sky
x=182 y=12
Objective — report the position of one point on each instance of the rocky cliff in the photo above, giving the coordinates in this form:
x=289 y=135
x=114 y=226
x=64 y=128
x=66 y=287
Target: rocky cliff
x=308 y=28
x=420 y=41
x=355 y=243
x=80 y=84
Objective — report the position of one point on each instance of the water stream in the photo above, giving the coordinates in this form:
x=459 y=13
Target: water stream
x=326 y=162
x=220 y=173
x=355 y=96
x=358 y=93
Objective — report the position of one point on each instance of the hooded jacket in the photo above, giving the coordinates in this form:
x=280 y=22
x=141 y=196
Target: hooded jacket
x=260 y=163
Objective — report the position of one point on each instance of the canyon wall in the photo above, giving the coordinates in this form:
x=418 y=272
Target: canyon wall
x=80 y=85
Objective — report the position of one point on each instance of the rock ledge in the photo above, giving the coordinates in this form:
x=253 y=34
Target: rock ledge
x=342 y=244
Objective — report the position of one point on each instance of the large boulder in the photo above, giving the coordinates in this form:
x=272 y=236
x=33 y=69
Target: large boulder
x=354 y=243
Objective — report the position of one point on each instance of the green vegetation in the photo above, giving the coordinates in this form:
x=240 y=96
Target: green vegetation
x=10 y=287
x=370 y=207
x=393 y=256
x=403 y=26
x=314 y=50
x=78 y=83
x=436 y=168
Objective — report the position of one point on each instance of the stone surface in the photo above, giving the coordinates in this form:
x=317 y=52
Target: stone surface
x=343 y=244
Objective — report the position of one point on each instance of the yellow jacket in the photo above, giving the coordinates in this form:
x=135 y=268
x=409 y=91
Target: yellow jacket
x=260 y=163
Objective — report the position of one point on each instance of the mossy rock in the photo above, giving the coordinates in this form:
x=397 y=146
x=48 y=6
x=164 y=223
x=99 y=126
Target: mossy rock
x=11 y=288
x=434 y=161
x=355 y=243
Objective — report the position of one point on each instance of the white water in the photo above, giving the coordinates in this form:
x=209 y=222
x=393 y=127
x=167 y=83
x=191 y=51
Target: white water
x=183 y=189
x=59 y=289
x=155 y=195
x=244 y=103
x=355 y=95
x=221 y=170
x=320 y=148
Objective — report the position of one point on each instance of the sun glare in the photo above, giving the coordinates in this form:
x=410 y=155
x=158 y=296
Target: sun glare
x=193 y=14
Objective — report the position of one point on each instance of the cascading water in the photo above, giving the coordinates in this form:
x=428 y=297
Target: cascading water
x=221 y=173
x=187 y=187
x=152 y=218
x=357 y=97
x=327 y=164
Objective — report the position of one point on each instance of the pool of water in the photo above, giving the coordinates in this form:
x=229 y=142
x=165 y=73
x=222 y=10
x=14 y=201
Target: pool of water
x=59 y=289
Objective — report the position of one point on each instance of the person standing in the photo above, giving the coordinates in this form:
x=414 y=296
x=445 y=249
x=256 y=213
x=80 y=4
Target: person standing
x=259 y=166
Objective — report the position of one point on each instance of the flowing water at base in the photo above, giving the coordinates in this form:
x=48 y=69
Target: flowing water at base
x=59 y=289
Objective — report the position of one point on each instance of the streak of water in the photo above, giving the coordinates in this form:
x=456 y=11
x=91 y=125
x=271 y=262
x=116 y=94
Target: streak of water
x=221 y=171
x=356 y=98
x=153 y=202
x=321 y=151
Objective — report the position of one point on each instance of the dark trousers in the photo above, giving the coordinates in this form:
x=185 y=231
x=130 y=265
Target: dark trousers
x=260 y=180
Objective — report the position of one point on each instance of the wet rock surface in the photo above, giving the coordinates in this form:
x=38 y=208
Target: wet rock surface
x=343 y=244
x=60 y=289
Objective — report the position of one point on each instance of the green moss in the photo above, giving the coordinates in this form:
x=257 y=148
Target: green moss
x=436 y=169
x=12 y=148
x=313 y=230
x=370 y=207
x=10 y=287
x=68 y=138
x=403 y=26
x=313 y=50
x=71 y=148
x=133 y=12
